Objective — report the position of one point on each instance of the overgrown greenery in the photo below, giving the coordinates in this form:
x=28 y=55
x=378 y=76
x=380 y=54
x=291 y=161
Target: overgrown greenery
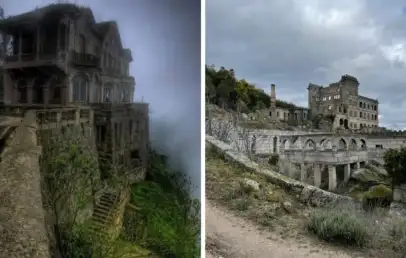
x=168 y=219
x=226 y=91
x=395 y=164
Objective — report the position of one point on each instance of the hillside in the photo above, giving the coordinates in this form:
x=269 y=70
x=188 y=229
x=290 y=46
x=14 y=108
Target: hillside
x=225 y=90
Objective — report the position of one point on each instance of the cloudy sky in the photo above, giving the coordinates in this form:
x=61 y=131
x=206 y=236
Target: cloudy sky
x=294 y=42
x=164 y=37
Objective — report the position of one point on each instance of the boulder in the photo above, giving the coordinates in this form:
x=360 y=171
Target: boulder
x=249 y=185
x=370 y=176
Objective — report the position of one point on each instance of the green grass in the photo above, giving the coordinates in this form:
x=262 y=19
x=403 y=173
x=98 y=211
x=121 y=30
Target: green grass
x=168 y=219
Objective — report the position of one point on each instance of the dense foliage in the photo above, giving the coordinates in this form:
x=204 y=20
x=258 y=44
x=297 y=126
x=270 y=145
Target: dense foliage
x=168 y=219
x=226 y=91
x=395 y=164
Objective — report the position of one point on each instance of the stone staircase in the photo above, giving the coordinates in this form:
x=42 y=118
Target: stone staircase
x=108 y=213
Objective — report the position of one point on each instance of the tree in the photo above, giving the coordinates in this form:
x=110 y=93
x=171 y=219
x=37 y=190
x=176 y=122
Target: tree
x=395 y=164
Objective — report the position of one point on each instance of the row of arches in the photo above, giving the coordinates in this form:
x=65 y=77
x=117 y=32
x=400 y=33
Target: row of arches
x=326 y=144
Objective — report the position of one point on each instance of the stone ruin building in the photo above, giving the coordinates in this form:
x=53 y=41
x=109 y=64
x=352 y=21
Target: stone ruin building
x=339 y=100
x=64 y=70
x=295 y=117
x=61 y=57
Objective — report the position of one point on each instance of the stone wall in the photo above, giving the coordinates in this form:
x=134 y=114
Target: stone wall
x=306 y=193
x=22 y=219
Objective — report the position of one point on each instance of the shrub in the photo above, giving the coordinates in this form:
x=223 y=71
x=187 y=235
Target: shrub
x=168 y=219
x=339 y=226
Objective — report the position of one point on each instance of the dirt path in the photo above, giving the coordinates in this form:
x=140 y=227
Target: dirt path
x=230 y=236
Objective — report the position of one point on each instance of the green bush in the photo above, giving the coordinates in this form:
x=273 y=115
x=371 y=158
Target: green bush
x=339 y=226
x=168 y=219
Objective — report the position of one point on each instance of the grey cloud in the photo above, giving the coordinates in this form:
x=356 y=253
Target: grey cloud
x=292 y=42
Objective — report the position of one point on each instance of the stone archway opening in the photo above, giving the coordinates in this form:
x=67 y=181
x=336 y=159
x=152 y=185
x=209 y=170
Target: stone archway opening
x=324 y=178
x=363 y=144
x=342 y=145
x=325 y=144
x=275 y=144
x=310 y=145
x=346 y=124
x=341 y=122
x=353 y=144
x=286 y=144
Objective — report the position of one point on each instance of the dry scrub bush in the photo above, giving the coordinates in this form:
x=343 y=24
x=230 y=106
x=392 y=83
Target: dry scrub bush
x=376 y=230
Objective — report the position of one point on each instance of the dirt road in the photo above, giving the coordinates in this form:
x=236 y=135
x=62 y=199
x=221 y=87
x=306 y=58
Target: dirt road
x=230 y=236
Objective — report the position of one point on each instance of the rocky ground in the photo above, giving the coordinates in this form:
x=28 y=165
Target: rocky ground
x=230 y=236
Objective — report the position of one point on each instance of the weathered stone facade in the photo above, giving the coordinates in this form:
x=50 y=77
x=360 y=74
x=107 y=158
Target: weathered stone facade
x=307 y=193
x=341 y=99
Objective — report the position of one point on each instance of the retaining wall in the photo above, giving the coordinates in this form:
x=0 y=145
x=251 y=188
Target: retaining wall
x=22 y=218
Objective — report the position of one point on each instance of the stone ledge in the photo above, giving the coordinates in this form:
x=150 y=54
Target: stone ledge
x=308 y=194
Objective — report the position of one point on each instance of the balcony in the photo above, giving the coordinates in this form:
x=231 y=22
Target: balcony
x=26 y=60
x=80 y=59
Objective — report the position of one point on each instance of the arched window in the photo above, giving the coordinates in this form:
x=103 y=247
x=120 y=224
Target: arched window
x=108 y=92
x=80 y=88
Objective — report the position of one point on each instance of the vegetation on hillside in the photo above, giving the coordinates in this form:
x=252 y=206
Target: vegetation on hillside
x=373 y=232
x=395 y=165
x=226 y=91
x=168 y=219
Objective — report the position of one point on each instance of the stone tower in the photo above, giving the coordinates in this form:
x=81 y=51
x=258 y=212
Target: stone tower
x=272 y=109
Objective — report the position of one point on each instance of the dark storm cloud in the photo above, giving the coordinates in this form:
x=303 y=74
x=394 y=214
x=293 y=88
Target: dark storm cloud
x=164 y=37
x=293 y=42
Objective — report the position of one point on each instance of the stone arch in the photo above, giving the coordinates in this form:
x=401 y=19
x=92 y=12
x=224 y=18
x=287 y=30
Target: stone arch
x=108 y=92
x=346 y=124
x=342 y=144
x=353 y=144
x=328 y=145
x=310 y=144
x=80 y=87
x=286 y=144
x=275 y=144
x=363 y=144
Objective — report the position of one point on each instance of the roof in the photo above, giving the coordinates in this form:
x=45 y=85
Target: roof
x=55 y=11
x=39 y=14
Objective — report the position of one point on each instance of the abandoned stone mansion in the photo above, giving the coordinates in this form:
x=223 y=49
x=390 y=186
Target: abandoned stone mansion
x=65 y=75
x=340 y=100
x=58 y=56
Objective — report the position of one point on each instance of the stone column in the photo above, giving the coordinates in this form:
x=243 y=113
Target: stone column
x=317 y=175
x=347 y=172
x=303 y=172
x=46 y=94
x=38 y=37
x=332 y=178
x=30 y=89
x=357 y=165
x=20 y=44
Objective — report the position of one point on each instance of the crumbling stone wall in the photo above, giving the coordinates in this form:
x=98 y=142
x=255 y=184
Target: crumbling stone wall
x=71 y=175
x=307 y=193
x=22 y=225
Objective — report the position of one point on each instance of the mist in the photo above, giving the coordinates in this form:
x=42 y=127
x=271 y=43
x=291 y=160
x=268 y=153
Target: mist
x=164 y=37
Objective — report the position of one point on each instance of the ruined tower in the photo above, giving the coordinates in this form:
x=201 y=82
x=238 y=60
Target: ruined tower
x=272 y=109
